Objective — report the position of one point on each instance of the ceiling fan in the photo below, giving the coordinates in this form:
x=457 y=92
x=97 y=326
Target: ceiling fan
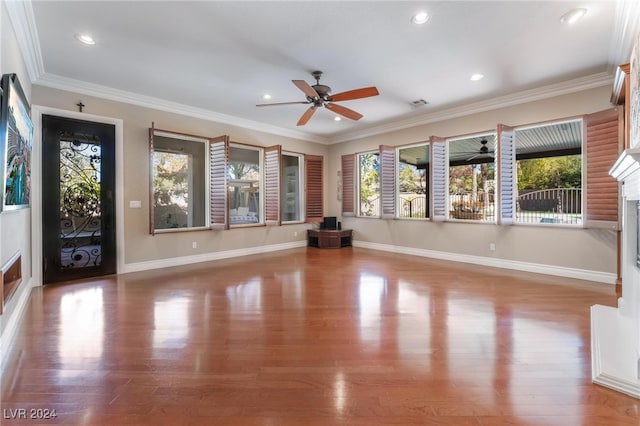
x=320 y=95
x=484 y=150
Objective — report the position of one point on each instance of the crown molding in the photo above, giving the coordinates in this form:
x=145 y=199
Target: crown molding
x=24 y=25
x=21 y=15
x=104 y=92
x=544 y=92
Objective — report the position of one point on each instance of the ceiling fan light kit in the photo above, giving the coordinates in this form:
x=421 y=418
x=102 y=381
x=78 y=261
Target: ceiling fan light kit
x=320 y=95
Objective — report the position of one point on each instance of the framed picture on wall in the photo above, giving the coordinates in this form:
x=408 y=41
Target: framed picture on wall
x=16 y=141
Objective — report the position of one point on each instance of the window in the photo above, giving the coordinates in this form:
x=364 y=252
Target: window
x=179 y=165
x=413 y=182
x=549 y=173
x=244 y=185
x=369 y=184
x=291 y=186
x=472 y=178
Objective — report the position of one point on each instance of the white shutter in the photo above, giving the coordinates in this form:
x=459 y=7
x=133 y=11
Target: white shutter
x=219 y=158
x=272 y=157
x=388 y=181
x=439 y=164
x=507 y=182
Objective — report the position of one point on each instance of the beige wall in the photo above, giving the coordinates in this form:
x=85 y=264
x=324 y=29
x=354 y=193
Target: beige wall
x=590 y=250
x=139 y=245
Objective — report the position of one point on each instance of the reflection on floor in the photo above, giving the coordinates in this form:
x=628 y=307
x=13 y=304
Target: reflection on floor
x=313 y=337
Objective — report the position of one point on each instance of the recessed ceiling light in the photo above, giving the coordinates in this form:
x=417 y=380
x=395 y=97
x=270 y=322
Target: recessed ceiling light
x=266 y=96
x=573 y=16
x=86 y=39
x=336 y=118
x=477 y=76
x=420 y=18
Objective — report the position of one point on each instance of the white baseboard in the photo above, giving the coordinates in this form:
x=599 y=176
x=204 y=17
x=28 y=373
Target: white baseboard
x=13 y=321
x=206 y=257
x=582 y=274
x=614 y=359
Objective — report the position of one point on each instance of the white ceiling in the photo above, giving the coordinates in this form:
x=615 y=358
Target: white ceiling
x=217 y=59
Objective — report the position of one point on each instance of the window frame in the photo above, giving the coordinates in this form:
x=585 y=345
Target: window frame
x=448 y=203
x=359 y=186
x=427 y=188
x=261 y=184
x=153 y=148
x=301 y=187
x=583 y=172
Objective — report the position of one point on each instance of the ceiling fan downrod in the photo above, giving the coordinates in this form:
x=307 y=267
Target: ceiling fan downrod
x=322 y=90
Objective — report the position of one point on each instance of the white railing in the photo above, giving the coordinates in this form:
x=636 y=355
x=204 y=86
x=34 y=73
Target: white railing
x=558 y=205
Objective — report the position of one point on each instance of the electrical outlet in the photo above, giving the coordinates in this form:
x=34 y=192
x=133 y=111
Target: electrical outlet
x=194 y=244
x=295 y=233
x=492 y=246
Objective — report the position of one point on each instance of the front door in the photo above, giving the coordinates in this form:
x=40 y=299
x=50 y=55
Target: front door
x=78 y=187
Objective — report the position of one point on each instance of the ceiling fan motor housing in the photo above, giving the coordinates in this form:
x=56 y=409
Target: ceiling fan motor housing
x=322 y=90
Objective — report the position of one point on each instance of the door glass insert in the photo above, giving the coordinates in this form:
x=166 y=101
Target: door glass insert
x=80 y=212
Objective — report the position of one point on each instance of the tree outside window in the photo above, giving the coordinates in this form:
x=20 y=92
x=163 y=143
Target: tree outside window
x=369 y=178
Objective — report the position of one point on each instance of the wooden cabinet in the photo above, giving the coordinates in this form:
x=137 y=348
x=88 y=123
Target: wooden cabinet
x=329 y=239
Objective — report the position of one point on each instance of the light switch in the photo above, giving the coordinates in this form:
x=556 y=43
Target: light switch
x=135 y=204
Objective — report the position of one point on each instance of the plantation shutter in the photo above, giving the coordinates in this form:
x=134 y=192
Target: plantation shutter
x=218 y=161
x=439 y=165
x=152 y=201
x=507 y=190
x=272 y=174
x=348 y=182
x=314 y=202
x=388 y=181
x=603 y=142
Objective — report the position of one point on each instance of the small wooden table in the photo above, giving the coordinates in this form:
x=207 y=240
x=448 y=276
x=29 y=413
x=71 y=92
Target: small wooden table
x=323 y=238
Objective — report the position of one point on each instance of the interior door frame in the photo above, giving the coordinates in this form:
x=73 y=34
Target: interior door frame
x=37 y=112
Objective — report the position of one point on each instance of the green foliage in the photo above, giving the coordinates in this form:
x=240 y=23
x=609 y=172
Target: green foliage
x=411 y=180
x=369 y=182
x=460 y=179
x=241 y=170
x=170 y=178
x=549 y=173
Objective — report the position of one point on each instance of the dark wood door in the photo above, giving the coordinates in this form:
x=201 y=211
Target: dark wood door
x=78 y=187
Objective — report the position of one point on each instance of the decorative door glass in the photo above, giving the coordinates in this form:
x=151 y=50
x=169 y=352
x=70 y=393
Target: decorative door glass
x=80 y=209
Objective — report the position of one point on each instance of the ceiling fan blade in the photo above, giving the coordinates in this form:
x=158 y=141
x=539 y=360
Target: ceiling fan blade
x=283 y=103
x=344 y=111
x=364 y=92
x=304 y=86
x=473 y=156
x=306 y=116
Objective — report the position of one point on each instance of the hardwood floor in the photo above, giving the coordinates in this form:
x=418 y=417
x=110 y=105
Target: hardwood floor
x=312 y=337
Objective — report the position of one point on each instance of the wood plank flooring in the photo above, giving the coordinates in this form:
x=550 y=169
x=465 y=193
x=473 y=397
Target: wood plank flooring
x=312 y=337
